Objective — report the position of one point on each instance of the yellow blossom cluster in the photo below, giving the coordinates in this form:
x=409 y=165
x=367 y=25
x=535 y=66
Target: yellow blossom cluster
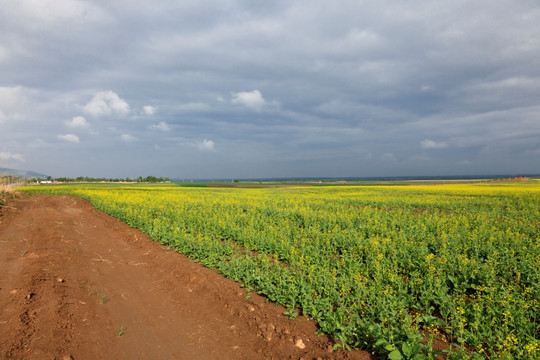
x=462 y=259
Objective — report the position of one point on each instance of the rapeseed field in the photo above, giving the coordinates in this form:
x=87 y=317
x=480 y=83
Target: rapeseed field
x=408 y=272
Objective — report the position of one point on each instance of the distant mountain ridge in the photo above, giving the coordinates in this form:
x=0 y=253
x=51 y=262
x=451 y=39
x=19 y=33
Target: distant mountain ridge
x=21 y=173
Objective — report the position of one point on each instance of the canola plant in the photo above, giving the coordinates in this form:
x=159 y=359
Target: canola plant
x=408 y=272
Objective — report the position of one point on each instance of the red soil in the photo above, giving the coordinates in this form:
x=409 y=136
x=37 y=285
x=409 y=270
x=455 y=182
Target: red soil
x=79 y=284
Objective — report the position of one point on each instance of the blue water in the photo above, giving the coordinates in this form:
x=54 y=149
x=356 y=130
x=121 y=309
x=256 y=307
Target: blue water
x=372 y=178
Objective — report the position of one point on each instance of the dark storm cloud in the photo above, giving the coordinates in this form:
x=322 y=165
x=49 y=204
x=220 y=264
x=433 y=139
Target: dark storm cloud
x=263 y=89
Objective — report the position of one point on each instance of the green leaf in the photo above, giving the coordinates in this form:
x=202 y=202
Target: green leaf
x=395 y=355
x=407 y=350
x=379 y=342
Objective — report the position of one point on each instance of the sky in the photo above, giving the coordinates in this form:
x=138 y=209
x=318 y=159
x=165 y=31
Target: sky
x=262 y=89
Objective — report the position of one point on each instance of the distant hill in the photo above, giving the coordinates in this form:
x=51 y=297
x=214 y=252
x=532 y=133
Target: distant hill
x=21 y=173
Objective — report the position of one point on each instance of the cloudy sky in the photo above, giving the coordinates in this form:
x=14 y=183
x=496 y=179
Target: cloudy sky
x=258 y=89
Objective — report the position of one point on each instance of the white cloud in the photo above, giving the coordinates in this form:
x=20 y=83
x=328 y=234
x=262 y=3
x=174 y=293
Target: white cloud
x=106 y=103
x=430 y=144
x=4 y=156
x=162 y=125
x=206 y=145
x=461 y=83
x=69 y=137
x=128 y=138
x=250 y=99
x=78 y=122
x=9 y=97
x=149 y=110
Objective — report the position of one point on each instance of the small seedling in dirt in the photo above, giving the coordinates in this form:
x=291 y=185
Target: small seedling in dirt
x=341 y=345
x=249 y=289
x=291 y=313
x=102 y=298
x=121 y=331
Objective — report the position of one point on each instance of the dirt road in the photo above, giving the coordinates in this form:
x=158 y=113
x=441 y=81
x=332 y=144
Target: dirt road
x=78 y=284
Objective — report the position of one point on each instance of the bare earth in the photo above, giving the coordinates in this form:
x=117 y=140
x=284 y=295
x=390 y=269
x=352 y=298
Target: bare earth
x=78 y=284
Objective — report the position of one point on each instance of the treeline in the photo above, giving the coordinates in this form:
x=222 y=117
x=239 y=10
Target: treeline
x=12 y=180
x=9 y=179
x=140 y=179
